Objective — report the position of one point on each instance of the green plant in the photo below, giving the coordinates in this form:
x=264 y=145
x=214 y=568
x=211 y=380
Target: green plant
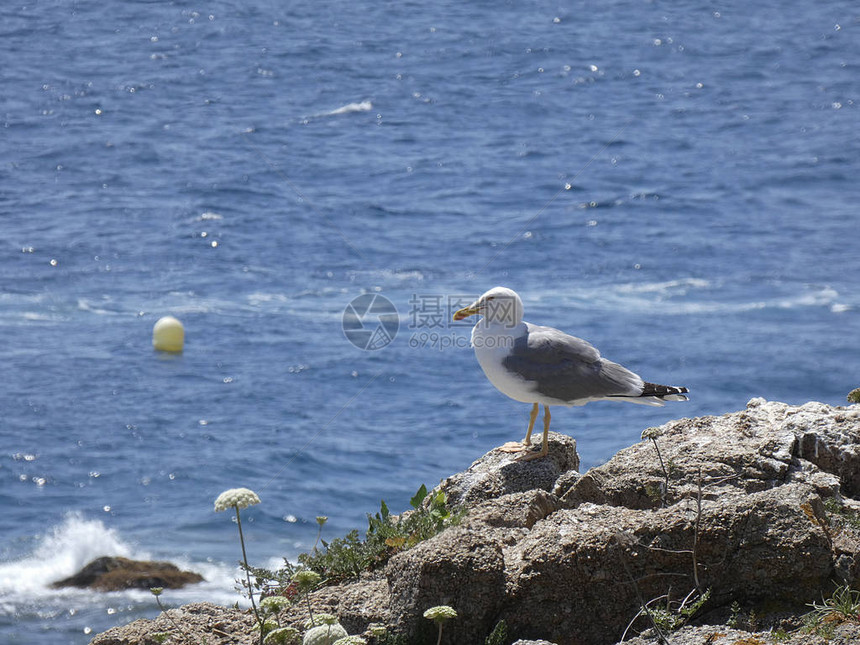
x=841 y=516
x=439 y=615
x=780 y=636
x=381 y=636
x=281 y=636
x=392 y=639
x=842 y=606
x=349 y=556
x=270 y=610
x=305 y=581
x=320 y=618
x=669 y=618
x=278 y=582
x=499 y=635
x=734 y=618
x=386 y=534
x=274 y=605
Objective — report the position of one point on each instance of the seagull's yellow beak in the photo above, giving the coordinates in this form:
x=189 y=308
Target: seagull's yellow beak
x=465 y=312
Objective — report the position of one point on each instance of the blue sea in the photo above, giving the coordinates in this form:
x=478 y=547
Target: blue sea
x=675 y=182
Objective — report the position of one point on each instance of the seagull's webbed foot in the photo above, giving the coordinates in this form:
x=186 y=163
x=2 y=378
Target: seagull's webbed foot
x=534 y=454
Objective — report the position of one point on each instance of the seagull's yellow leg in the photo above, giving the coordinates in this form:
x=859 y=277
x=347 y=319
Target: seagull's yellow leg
x=544 y=451
x=528 y=440
x=516 y=446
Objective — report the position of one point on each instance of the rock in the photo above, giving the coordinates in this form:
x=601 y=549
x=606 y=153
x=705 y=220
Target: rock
x=586 y=567
x=200 y=622
x=735 y=488
x=755 y=506
x=498 y=473
x=356 y=603
x=515 y=510
x=461 y=567
x=830 y=439
x=764 y=446
x=722 y=635
x=115 y=574
x=744 y=451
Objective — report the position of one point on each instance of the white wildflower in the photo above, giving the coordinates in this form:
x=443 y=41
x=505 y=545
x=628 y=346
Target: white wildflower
x=324 y=634
x=236 y=498
x=320 y=618
x=280 y=636
x=440 y=613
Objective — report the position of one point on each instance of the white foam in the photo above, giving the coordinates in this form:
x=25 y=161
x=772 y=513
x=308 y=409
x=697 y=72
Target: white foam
x=91 y=306
x=25 y=583
x=668 y=287
x=59 y=553
x=684 y=296
x=363 y=106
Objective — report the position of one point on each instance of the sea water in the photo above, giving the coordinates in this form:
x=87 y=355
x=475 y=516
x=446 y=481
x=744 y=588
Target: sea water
x=676 y=183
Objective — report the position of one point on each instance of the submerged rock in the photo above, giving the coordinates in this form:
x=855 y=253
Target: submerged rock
x=115 y=574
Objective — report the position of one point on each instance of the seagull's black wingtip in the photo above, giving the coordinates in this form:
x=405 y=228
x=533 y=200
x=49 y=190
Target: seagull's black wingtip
x=653 y=389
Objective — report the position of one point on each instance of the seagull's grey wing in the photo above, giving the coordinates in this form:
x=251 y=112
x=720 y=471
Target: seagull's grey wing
x=568 y=368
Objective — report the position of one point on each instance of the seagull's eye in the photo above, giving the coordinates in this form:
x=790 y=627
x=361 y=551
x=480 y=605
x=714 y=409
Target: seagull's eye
x=490 y=298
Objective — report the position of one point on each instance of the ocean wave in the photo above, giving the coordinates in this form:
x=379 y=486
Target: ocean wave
x=684 y=296
x=59 y=553
x=25 y=582
x=668 y=287
x=361 y=106
x=349 y=108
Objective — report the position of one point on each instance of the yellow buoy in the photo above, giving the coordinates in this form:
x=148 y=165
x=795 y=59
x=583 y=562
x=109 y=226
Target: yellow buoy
x=168 y=335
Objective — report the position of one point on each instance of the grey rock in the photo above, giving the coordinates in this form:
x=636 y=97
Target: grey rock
x=764 y=446
x=515 y=510
x=201 y=622
x=827 y=437
x=755 y=506
x=579 y=565
x=722 y=635
x=461 y=567
x=498 y=473
x=356 y=604
x=565 y=482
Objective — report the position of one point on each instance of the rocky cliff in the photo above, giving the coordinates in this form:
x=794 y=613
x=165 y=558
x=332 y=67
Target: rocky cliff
x=744 y=517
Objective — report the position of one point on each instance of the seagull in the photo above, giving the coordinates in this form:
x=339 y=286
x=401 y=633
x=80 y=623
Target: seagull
x=536 y=364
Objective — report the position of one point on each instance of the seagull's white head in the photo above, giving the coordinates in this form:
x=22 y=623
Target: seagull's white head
x=499 y=305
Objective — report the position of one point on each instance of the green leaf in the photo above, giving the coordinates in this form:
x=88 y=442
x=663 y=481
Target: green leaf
x=415 y=502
